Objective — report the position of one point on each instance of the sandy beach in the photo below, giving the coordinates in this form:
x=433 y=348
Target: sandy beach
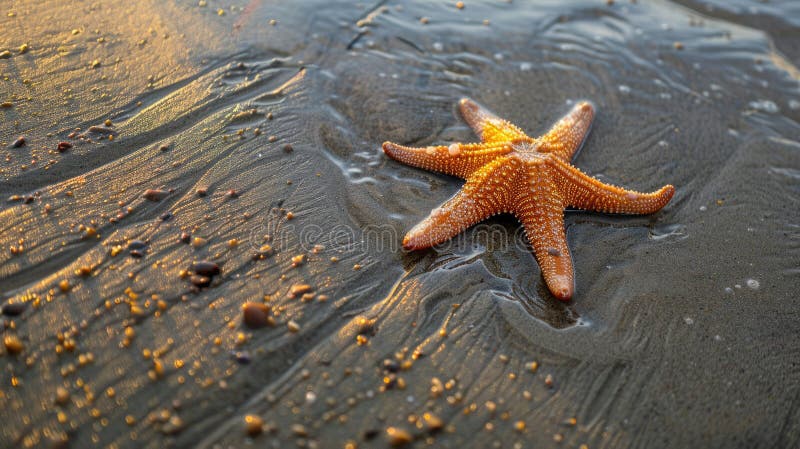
x=200 y=236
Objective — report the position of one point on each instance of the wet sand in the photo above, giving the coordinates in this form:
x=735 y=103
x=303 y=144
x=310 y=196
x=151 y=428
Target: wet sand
x=248 y=135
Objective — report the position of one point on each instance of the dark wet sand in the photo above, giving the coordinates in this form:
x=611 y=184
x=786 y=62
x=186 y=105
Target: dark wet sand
x=684 y=330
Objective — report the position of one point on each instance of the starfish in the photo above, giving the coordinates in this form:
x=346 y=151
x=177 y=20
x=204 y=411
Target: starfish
x=531 y=178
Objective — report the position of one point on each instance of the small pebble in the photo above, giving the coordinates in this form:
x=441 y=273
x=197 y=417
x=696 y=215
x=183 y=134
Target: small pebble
x=64 y=286
x=205 y=268
x=298 y=289
x=253 y=425
x=63 y=146
x=198 y=242
x=137 y=244
x=288 y=148
x=398 y=437
x=432 y=422
x=62 y=396
x=200 y=281
x=185 y=237
x=460 y=5
x=13 y=344
x=19 y=142
x=256 y=315
x=155 y=194
x=299 y=430
x=5 y=54
x=293 y=326
x=232 y=193
x=202 y=191
x=298 y=260
x=242 y=357
x=6 y=104
x=14 y=308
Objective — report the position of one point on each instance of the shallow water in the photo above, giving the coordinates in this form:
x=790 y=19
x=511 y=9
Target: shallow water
x=684 y=327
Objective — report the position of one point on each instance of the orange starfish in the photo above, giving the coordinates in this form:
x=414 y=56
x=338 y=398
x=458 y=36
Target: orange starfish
x=509 y=172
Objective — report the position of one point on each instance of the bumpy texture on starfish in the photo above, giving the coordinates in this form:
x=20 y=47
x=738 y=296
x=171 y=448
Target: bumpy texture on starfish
x=509 y=172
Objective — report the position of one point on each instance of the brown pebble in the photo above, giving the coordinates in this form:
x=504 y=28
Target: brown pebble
x=299 y=430
x=432 y=422
x=155 y=194
x=100 y=130
x=13 y=344
x=198 y=242
x=288 y=148
x=200 y=281
x=298 y=289
x=273 y=139
x=63 y=146
x=256 y=315
x=678 y=46
x=253 y=425
x=460 y=5
x=232 y=193
x=201 y=191
x=6 y=104
x=64 y=285
x=62 y=396
x=19 y=142
x=5 y=54
x=14 y=308
x=398 y=437
x=185 y=237
x=298 y=260
x=293 y=326
x=164 y=147
x=205 y=268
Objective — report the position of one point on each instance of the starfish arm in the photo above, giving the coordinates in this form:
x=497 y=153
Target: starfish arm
x=543 y=219
x=485 y=194
x=584 y=192
x=457 y=159
x=489 y=127
x=568 y=134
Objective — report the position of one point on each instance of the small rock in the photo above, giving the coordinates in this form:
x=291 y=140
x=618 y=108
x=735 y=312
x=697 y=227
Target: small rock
x=256 y=315
x=20 y=142
x=232 y=193
x=200 y=281
x=299 y=430
x=14 y=308
x=185 y=237
x=202 y=191
x=432 y=422
x=13 y=344
x=137 y=253
x=253 y=425
x=5 y=54
x=243 y=357
x=63 y=146
x=155 y=194
x=62 y=396
x=298 y=289
x=137 y=244
x=398 y=437
x=205 y=268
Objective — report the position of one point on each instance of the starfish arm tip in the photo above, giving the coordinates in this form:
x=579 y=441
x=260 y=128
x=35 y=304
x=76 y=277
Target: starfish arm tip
x=409 y=243
x=562 y=287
